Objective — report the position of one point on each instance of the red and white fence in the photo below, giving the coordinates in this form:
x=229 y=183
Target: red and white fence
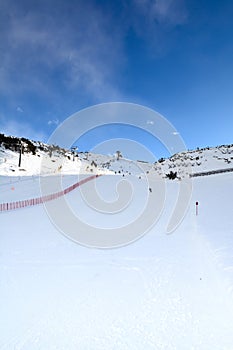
x=40 y=200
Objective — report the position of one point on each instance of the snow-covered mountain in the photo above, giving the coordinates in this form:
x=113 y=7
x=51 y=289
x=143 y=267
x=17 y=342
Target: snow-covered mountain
x=162 y=292
x=38 y=158
x=22 y=157
x=184 y=164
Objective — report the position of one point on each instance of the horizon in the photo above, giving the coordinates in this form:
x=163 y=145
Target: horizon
x=109 y=148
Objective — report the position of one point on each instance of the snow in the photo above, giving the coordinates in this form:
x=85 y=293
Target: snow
x=160 y=292
x=43 y=164
x=185 y=163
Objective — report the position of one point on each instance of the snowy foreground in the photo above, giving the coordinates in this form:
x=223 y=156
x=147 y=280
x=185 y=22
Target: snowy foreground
x=162 y=292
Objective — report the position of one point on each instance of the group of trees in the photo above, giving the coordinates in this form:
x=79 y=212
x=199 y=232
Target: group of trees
x=17 y=144
x=172 y=175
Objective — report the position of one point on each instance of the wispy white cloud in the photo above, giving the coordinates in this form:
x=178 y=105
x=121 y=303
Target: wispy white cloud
x=56 y=49
x=154 y=22
x=169 y=12
x=19 y=109
x=78 y=50
x=53 y=122
x=21 y=129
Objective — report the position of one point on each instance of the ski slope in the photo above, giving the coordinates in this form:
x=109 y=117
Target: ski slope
x=60 y=161
x=162 y=292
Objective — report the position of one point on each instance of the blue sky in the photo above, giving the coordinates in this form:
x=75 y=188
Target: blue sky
x=174 y=56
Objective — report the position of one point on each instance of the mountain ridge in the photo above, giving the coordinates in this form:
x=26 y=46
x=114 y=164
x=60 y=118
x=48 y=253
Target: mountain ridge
x=23 y=157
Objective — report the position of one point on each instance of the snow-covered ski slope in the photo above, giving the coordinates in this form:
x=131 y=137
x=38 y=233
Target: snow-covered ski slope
x=58 y=161
x=162 y=292
x=184 y=163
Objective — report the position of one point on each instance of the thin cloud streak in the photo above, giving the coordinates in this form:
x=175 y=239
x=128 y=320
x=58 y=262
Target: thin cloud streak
x=154 y=21
x=169 y=12
x=56 y=54
x=85 y=57
x=19 y=129
x=53 y=122
x=83 y=52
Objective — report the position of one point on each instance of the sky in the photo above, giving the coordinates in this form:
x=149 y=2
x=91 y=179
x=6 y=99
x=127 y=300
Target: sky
x=173 y=56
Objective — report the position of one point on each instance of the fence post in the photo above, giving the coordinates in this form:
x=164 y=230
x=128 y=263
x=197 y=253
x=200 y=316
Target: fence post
x=197 y=208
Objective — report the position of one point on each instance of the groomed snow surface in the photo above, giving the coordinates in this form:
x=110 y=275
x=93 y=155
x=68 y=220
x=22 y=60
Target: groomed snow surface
x=162 y=292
